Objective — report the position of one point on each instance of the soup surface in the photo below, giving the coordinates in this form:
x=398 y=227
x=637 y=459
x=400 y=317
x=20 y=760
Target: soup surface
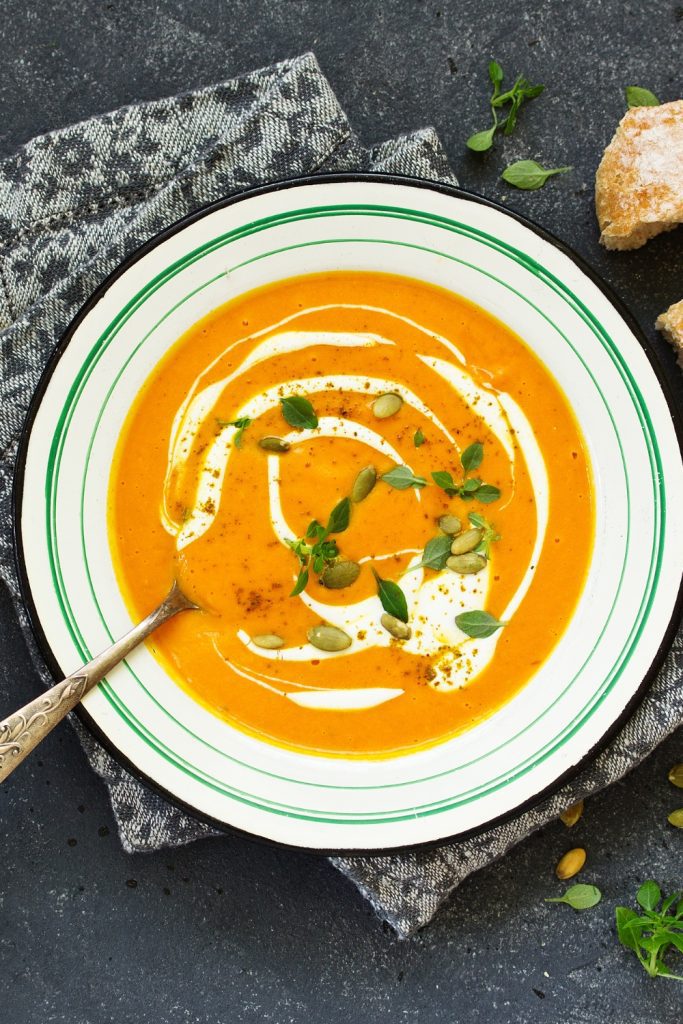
x=295 y=556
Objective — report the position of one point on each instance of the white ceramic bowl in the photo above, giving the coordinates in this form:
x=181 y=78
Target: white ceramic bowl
x=612 y=645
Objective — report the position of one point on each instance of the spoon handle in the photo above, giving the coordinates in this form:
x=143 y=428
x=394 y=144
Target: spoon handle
x=24 y=730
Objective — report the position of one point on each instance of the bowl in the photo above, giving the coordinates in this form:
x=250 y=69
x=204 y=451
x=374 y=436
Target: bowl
x=621 y=627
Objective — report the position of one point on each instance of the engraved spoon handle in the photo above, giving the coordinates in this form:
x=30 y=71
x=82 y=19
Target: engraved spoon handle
x=24 y=730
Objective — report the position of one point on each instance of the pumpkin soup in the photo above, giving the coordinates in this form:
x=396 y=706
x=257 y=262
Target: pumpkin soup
x=379 y=498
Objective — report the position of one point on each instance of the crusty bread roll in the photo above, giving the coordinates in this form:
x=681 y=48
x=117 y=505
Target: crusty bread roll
x=671 y=326
x=639 y=183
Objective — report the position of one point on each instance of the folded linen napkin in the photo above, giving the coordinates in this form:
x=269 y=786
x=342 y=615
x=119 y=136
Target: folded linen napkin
x=73 y=204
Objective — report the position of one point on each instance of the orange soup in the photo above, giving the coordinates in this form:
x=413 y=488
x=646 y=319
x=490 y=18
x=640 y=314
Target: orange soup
x=378 y=496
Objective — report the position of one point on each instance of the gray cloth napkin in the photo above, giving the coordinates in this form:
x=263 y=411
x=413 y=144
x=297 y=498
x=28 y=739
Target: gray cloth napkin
x=73 y=204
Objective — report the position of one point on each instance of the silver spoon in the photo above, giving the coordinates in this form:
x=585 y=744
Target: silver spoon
x=28 y=726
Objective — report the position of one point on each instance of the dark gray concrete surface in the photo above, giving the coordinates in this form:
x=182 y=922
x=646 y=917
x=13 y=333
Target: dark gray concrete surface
x=229 y=931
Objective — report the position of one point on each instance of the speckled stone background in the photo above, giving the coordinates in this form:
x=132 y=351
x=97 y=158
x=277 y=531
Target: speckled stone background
x=227 y=931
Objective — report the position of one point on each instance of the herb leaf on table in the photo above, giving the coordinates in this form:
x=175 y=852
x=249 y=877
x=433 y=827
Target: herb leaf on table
x=654 y=934
x=638 y=97
x=529 y=175
x=512 y=99
x=579 y=896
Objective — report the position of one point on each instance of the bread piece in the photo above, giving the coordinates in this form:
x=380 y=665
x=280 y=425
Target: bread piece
x=671 y=326
x=639 y=183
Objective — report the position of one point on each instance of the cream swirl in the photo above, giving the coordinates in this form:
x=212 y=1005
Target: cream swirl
x=431 y=598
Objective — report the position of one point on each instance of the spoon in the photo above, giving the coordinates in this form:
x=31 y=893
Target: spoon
x=28 y=726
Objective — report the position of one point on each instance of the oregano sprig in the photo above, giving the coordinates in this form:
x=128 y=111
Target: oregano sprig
x=513 y=98
x=242 y=423
x=656 y=933
x=316 y=551
x=469 y=487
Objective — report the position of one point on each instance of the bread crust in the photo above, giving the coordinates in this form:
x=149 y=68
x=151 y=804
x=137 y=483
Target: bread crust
x=671 y=326
x=639 y=183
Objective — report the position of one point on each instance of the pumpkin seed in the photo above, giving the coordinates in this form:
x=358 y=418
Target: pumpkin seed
x=387 y=405
x=363 y=484
x=274 y=444
x=571 y=815
x=571 y=863
x=450 y=525
x=676 y=818
x=269 y=641
x=676 y=775
x=397 y=628
x=340 y=575
x=465 y=564
x=328 y=638
x=466 y=541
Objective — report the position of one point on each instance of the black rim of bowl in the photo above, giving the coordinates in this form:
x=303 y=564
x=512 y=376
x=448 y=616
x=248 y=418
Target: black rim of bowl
x=18 y=481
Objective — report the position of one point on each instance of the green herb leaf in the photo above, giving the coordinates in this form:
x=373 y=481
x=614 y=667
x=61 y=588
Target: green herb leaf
x=496 y=76
x=530 y=92
x=527 y=174
x=299 y=412
x=315 y=529
x=625 y=918
x=669 y=902
x=340 y=517
x=470 y=486
x=478 y=624
x=478 y=520
x=520 y=93
x=436 y=553
x=472 y=457
x=637 y=97
x=418 y=438
x=392 y=597
x=401 y=478
x=321 y=552
x=487 y=493
x=241 y=425
x=649 y=895
x=580 y=896
x=301 y=581
x=481 y=141
x=446 y=482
